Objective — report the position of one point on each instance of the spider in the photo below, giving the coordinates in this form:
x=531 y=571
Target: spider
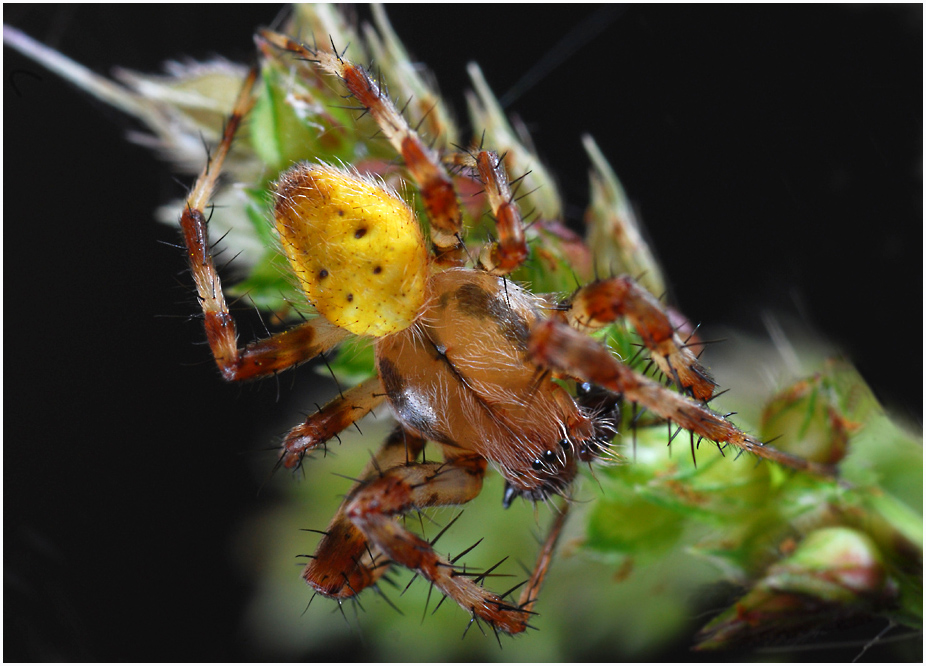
x=465 y=357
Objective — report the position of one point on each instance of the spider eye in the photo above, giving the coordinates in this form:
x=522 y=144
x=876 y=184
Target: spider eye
x=549 y=456
x=537 y=464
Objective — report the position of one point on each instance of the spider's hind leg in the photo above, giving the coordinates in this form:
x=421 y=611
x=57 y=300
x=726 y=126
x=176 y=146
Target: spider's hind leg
x=505 y=255
x=265 y=357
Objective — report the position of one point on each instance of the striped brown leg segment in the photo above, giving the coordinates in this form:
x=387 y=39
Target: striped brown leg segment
x=604 y=301
x=339 y=414
x=264 y=357
x=374 y=507
x=423 y=162
x=544 y=559
x=557 y=346
x=345 y=562
x=510 y=251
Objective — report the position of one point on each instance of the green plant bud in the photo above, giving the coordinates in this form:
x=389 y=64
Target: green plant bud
x=833 y=574
x=410 y=83
x=613 y=231
x=810 y=413
x=538 y=190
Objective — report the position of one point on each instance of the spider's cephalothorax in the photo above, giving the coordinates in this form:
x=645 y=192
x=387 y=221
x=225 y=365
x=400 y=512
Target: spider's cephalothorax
x=465 y=357
x=460 y=376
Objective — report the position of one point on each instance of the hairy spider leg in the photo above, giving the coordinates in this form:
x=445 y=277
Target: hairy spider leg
x=532 y=590
x=375 y=505
x=345 y=562
x=604 y=301
x=555 y=345
x=422 y=161
x=264 y=357
x=510 y=251
x=337 y=415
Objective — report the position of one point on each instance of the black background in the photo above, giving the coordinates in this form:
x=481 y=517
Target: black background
x=775 y=155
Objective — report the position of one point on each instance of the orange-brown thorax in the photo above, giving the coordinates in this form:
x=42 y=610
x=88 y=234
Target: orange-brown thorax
x=459 y=376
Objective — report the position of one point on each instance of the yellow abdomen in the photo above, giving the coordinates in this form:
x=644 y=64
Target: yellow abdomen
x=355 y=246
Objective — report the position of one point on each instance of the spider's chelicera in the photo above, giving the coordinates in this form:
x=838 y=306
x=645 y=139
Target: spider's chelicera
x=465 y=357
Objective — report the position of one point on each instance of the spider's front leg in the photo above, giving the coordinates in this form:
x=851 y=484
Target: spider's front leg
x=604 y=301
x=544 y=559
x=375 y=506
x=557 y=346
